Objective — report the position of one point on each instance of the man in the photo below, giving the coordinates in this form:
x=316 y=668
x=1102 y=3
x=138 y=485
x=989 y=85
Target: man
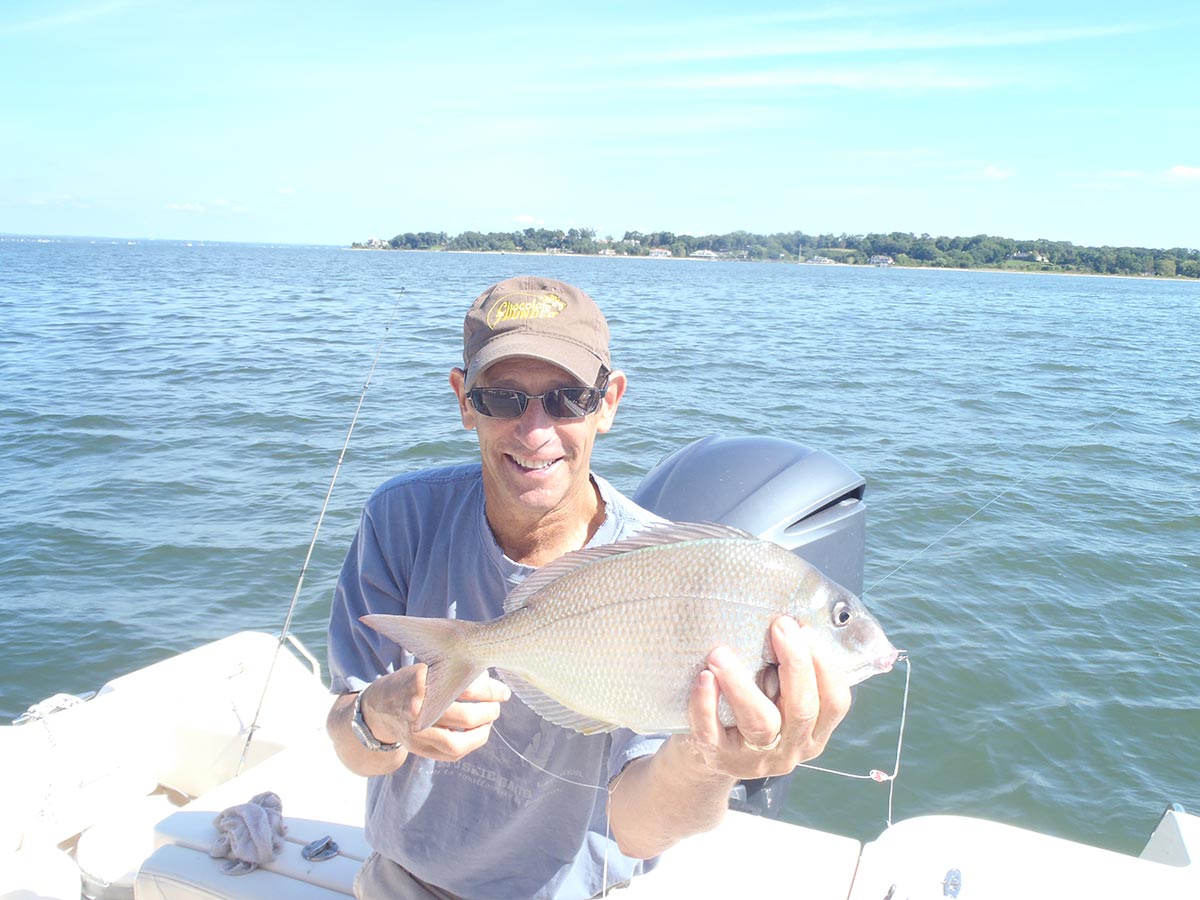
x=533 y=810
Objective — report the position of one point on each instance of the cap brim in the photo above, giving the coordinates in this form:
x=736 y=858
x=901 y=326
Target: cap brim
x=577 y=361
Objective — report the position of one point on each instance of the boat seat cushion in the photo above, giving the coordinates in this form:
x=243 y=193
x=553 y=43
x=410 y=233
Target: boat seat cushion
x=180 y=873
x=320 y=798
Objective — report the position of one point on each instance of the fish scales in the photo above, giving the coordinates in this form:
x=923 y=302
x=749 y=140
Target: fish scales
x=615 y=637
x=616 y=632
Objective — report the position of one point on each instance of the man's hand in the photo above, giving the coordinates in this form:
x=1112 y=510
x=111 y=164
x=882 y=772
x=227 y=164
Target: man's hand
x=683 y=789
x=390 y=706
x=771 y=738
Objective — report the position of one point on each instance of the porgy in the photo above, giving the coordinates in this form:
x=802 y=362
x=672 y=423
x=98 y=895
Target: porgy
x=614 y=636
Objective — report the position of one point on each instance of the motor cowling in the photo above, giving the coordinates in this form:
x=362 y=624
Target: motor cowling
x=807 y=501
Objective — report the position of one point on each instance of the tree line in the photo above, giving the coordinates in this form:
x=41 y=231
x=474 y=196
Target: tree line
x=978 y=251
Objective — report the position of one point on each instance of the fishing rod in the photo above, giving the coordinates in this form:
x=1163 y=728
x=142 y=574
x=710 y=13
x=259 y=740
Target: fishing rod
x=287 y=622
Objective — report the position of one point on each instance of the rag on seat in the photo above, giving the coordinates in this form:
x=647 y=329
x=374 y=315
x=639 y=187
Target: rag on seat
x=249 y=834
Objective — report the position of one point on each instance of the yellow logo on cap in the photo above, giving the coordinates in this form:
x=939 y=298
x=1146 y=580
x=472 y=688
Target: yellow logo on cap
x=525 y=305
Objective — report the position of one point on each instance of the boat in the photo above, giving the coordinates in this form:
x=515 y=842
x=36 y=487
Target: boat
x=116 y=795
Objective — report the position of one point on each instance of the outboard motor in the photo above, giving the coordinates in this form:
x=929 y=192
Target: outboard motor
x=805 y=500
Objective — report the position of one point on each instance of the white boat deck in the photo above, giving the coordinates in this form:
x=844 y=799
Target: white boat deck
x=320 y=798
x=91 y=779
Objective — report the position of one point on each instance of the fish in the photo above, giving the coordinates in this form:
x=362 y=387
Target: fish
x=614 y=636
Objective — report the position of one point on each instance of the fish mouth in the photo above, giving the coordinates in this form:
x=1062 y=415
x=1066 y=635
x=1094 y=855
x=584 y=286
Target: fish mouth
x=875 y=666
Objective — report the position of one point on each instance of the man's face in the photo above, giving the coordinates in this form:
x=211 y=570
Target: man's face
x=535 y=465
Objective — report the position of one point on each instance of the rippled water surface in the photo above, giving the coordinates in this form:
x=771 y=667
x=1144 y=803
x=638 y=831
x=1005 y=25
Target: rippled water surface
x=170 y=417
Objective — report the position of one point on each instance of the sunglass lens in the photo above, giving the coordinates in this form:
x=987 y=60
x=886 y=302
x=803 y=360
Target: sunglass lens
x=560 y=403
x=570 y=403
x=498 y=403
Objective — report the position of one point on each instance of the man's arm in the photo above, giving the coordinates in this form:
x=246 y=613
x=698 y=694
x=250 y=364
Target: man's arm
x=390 y=706
x=683 y=789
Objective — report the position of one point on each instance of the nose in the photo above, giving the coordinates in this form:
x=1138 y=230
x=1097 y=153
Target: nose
x=535 y=418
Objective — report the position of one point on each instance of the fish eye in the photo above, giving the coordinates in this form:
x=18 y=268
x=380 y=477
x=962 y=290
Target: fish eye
x=842 y=613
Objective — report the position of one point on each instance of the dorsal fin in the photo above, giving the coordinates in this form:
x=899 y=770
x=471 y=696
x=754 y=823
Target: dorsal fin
x=653 y=535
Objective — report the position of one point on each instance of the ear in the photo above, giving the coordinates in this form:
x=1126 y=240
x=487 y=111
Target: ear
x=458 y=381
x=612 y=399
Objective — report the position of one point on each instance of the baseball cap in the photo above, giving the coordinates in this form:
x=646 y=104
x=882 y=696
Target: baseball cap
x=536 y=317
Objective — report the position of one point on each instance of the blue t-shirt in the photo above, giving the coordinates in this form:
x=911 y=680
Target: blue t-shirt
x=491 y=825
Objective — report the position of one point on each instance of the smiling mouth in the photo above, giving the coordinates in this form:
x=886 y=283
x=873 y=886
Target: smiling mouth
x=532 y=465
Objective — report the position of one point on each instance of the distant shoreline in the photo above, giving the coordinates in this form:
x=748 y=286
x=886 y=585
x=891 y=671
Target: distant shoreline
x=896 y=248
x=780 y=262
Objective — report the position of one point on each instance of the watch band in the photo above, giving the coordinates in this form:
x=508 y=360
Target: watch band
x=358 y=725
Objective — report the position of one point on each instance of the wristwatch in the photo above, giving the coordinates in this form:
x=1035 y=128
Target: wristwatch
x=359 y=726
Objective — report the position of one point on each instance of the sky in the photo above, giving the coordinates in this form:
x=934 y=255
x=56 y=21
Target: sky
x=327 y=123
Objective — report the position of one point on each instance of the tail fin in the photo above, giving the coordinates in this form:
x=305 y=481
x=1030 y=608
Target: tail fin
x=440 y=644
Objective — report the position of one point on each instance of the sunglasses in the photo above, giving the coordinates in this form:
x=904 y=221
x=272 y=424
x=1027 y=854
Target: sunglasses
x=559 y=403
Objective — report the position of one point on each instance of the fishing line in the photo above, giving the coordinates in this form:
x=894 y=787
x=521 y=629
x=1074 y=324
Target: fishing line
x=595 y=787
x=287 y=622
x=1037 y=468
x=582 y=784
x=876 y=774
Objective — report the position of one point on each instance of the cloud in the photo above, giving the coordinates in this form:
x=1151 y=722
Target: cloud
x=286 y=191
x=186 y=207
x=529 y=220
x=996 y=173
x=1187 y=173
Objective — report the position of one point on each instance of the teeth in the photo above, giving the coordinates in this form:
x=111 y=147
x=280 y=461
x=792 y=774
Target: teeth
x=533 y=463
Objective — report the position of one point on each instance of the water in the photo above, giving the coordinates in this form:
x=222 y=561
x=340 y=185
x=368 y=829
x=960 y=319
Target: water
x=170 y=416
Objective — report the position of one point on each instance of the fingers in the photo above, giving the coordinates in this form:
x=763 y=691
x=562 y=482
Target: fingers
x=814 y=696
x=706 y=728
x=463 y=716
x=395 y=702
x=486 y=688
x=770 y=738
x=832 y=698
x=478 y=706
x=758 y=719
x=799 y=695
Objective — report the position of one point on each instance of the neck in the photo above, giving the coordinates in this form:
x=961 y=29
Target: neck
x=537 y=540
